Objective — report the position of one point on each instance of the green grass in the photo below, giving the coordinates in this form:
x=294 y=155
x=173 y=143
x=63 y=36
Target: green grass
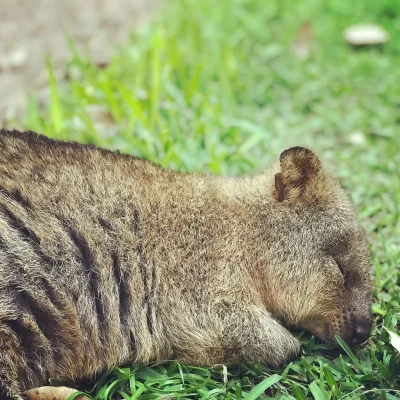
x=213 y=86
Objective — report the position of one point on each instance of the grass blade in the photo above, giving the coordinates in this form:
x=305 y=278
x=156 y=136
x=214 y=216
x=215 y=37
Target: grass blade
x=262 y=387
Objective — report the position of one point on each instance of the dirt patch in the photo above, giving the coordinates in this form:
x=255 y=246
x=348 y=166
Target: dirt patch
x=30 y=30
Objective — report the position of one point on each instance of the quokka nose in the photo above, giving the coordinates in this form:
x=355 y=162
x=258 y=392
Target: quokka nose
x=361 y=330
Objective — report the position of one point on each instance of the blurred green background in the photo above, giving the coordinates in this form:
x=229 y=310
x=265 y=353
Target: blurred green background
x=225 y=86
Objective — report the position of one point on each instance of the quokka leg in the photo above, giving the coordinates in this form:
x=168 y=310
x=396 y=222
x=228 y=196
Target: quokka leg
x=241 y=335
x=35 y=344
x=264 y=339
x=25 y=359
x=21 y=359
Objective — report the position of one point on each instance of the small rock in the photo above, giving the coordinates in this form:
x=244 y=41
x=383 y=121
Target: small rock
x=365 y=35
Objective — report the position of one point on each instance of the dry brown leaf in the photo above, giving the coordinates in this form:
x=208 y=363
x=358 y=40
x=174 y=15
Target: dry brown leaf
x=52 y=393
x=302 y=44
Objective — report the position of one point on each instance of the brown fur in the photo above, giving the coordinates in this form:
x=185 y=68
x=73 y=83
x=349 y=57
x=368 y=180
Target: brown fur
x=107 y=259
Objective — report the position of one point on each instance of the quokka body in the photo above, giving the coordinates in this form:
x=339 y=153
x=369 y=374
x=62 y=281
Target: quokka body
x=107 y=259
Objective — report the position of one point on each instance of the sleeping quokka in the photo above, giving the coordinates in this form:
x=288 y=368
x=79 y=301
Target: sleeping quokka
x=106 y=259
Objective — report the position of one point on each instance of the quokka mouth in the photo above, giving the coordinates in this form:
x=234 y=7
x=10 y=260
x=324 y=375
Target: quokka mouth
x=353 y=332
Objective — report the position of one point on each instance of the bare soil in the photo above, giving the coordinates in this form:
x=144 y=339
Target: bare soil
x=32 y=29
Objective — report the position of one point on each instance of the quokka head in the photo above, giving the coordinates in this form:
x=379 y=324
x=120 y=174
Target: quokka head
x=319 y=278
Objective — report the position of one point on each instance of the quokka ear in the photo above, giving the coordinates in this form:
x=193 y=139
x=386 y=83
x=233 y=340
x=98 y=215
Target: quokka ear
x=301 y=178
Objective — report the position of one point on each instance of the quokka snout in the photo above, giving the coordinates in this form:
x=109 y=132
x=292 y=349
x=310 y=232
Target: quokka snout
x=107 y=259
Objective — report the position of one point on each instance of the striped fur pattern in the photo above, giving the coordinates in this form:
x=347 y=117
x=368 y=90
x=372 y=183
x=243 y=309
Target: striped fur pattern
x=107 y=259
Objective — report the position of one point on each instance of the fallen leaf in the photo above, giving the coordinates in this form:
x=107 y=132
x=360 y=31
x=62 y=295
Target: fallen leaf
x=224 y=372
x=365 y=35
x=394 y=340
x=53 y=393
x=302 y=44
